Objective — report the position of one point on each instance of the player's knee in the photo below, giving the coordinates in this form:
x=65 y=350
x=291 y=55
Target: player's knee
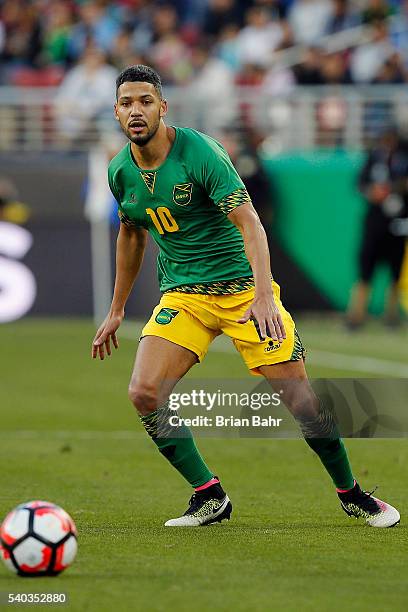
x=143 y=397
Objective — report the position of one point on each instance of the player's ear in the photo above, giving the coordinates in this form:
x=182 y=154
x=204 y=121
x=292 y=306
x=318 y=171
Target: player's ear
x=163 y=108
x=115 y=111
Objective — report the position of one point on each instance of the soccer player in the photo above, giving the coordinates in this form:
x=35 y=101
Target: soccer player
x=214 y=271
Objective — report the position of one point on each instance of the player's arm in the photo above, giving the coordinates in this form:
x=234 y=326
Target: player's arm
x=263 y=309
x=130 y=247
x=216 y=173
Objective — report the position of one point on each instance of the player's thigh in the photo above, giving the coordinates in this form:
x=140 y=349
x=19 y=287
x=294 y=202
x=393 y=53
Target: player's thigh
x=290 y=380
x=255 y=351
x=284 y=371
x=159 y=365
x=173 y=340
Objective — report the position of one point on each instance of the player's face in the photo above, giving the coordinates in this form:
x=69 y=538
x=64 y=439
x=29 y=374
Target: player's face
x=139 y=110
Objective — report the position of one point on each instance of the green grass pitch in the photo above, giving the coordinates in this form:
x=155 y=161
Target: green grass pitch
x=69 y=435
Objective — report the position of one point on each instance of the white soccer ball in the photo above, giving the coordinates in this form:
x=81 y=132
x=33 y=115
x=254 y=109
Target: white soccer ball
x=38 y=539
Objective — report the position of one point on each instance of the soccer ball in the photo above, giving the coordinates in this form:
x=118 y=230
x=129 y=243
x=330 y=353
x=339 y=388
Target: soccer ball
x=38 y=539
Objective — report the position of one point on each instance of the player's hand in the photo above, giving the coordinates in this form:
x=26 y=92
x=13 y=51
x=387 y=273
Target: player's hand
x=266 y=317
x=105 y=334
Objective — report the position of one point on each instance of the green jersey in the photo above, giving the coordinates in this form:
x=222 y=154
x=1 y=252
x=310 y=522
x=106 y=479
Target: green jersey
x=184 y=205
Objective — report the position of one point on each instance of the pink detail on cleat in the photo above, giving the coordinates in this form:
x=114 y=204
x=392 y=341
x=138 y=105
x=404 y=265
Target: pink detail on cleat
x=382 y=504
x=346 y=490
x=207 y=484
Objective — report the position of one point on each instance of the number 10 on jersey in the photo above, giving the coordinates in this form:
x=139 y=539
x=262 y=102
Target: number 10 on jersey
x=162 y=219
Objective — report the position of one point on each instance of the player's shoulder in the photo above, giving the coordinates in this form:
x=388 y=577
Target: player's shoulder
x=192 y=140
x=121 y=159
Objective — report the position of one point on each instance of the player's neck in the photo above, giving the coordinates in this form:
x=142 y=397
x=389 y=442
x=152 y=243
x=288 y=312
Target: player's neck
x=154 y=153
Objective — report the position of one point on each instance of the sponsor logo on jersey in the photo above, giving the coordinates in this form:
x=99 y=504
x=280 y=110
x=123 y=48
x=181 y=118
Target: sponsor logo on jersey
x=166 y=315
x=182 y=193
x=272 y=346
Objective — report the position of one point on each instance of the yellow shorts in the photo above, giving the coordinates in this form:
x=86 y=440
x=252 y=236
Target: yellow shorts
x=193 y=321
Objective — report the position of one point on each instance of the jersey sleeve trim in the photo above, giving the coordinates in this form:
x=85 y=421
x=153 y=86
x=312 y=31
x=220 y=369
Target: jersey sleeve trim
x=233 y=200
x=125 y=219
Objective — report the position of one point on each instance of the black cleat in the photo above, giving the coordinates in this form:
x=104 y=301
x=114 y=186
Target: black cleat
x=205 y=507
x=376 y=512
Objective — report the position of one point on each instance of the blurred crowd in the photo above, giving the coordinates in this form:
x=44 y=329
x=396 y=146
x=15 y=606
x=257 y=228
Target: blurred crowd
x=206 y=42
x=207 y=47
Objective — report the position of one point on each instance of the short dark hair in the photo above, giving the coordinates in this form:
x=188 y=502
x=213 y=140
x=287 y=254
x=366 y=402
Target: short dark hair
x=140 y=73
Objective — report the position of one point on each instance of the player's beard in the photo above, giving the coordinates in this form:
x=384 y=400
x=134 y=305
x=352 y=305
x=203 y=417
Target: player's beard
x=142 y=139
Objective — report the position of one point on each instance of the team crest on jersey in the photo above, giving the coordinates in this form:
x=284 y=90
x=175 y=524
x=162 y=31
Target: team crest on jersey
x=182 y=193
x=165 y=316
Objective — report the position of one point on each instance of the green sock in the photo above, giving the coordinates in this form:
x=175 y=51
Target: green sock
x=333 y=455
x=179 y=448
x=322 y=435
